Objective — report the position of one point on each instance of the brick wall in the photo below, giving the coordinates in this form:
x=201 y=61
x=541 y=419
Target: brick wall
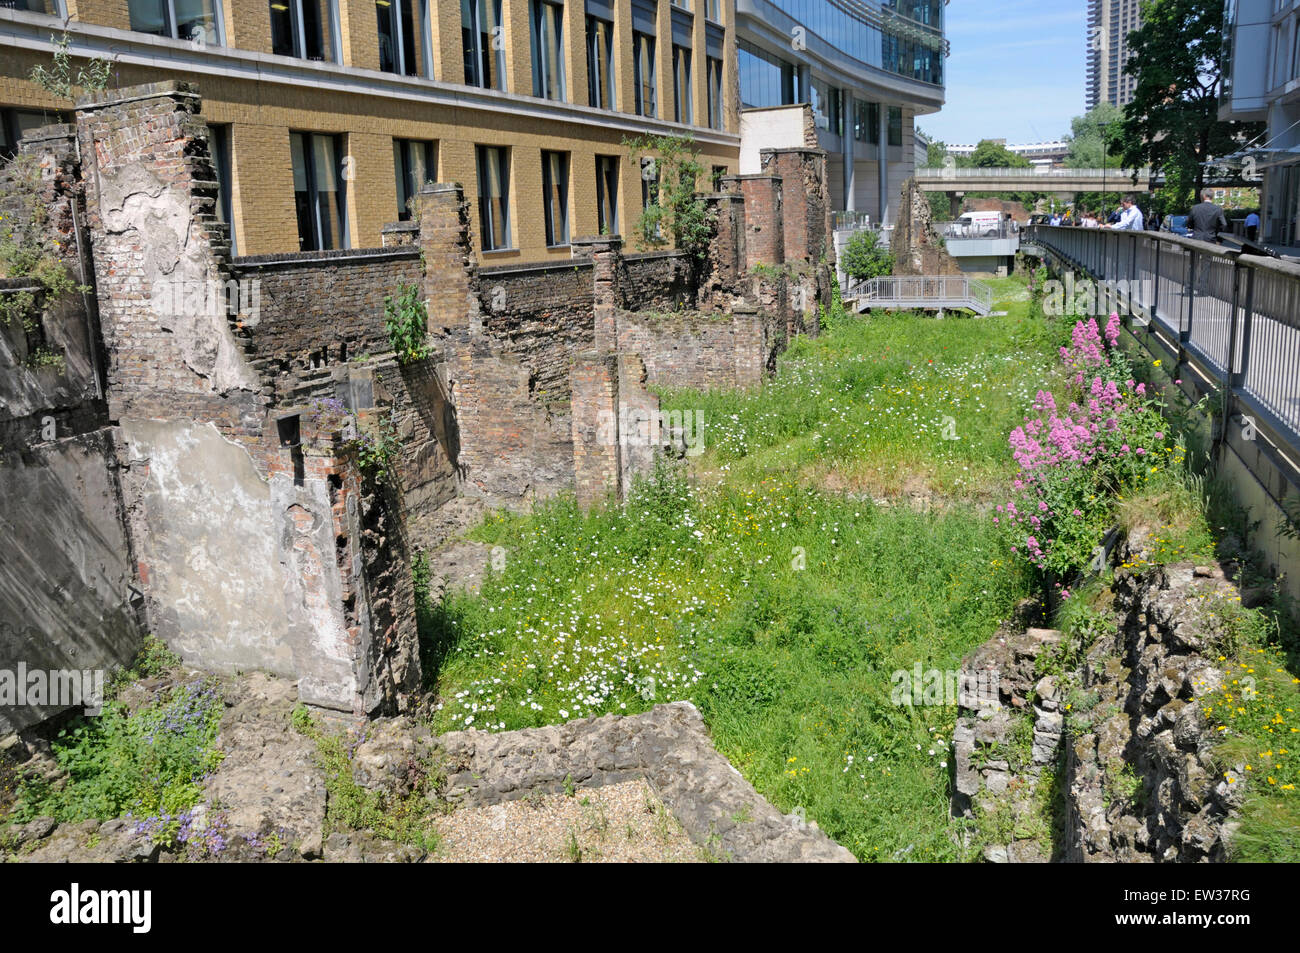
x=259 y=544
x=657 y=281
x=699 y=350
x=541 y=315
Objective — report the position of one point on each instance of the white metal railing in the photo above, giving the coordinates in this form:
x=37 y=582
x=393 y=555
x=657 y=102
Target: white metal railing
x=922 y=291
x=1037 y=172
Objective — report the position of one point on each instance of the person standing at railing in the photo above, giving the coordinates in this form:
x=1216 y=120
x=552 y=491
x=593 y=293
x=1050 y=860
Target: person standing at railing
x=1130 y=218
x=1207 y=219
x=1252 y=226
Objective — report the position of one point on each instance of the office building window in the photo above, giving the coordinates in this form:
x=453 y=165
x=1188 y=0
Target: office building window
x=318 y=190
x=713 y=78
x=643 y=70
x=895 y=125
x=196 y=20
x=650 y=199
x=414 y=163
x=826 y=106
x=307 y=29
x=16 y=123
x=53 y=8
x=866 y=122
x=494 y=196
x=712 y=10
x=600 y=63
x=403 y=25
x=483 y=37
x=765 y=79
x=548 y=49
x=219 y=147
x=682 y=4
x=683 y=111
x=607 y=195
x=555 y=196
x=715 y=177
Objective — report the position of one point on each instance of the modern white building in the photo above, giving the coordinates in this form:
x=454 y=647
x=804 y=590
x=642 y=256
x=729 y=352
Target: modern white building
x=867 y=67
x=1261 y=83
x=1050 y=154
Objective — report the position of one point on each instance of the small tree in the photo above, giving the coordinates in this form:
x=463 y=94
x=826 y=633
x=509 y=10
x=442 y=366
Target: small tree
x=59 y=79
x=407 y=324
x=864 y=256
x=670 y=167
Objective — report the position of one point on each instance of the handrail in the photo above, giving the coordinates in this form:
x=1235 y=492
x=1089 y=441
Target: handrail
x=958 y=291
x=1036 y=172
x=1235 y=317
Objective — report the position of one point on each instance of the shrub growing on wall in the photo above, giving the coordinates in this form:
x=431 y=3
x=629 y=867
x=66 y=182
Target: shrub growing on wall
x=670 y=167
x=407 y=324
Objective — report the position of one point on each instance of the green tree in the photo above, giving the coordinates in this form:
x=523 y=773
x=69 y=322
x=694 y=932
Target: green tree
x=994 y=155
x=865 y=257
x=59 y=77
x=671 y=168
x=1172 y=123
x=1095 y=135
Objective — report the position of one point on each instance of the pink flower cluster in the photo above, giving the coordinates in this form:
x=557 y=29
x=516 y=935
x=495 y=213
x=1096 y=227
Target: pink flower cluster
x=1051 y=443
x=1088 y=348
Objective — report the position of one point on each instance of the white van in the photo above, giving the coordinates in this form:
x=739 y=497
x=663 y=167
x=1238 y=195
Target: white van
x=980 y=224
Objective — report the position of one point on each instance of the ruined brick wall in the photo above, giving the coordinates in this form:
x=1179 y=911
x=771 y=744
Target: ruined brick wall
x=513 y=433
x=657 y=281
x=806 y=202
x=244 y=507
x=699 y=350
x=68 y=596
x=542 y=316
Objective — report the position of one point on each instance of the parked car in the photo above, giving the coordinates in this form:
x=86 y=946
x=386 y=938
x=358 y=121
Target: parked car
x=1176 y=224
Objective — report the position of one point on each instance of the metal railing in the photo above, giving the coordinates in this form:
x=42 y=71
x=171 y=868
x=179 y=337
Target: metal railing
x=960 y=232
x=1235 y=317
x=921 y=291
x=1118 y=176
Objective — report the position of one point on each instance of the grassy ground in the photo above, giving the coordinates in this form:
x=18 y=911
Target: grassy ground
x=757 y=589
x=887 y=405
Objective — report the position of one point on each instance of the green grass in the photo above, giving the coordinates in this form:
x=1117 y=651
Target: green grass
x=776 y=604
x=147 y=761
x=862 y=409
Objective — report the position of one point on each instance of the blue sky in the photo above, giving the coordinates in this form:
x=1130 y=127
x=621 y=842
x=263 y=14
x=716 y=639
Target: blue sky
x=1016 y=71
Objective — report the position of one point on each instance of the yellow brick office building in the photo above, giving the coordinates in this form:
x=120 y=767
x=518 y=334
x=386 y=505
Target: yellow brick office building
x=327 y=114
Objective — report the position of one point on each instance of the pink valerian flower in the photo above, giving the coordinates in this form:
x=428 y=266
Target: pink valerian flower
x=1112 y=329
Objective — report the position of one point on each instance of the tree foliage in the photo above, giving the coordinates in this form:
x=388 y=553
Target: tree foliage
x=60 y=79
x=1172 y=123
x=864 y=256
x=1095 y=137
x=671 y=168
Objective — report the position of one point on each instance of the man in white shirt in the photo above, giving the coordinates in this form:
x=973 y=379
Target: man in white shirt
x=1130 y=219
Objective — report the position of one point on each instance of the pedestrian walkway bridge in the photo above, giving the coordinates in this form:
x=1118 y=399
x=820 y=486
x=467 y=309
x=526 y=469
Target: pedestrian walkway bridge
x=920 y=293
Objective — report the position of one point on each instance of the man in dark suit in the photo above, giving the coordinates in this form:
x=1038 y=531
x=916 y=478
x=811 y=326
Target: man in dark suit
x=1207 y=219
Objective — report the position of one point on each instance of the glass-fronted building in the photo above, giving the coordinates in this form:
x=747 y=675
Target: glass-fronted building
x=867 y=68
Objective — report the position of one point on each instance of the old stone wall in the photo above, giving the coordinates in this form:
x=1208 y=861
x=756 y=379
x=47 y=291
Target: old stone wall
x=1110 y=721
x=699 y=350
x=542 y=316
x=245 y=506
x=657 y=281
x=68 y=596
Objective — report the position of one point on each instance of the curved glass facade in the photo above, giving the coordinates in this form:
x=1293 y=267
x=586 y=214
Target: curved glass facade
x=900 y=36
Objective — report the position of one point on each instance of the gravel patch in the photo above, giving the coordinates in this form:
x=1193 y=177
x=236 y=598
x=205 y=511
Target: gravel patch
x=616 y=823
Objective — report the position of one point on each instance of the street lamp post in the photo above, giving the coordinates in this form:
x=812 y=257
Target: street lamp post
x=1104 y=149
